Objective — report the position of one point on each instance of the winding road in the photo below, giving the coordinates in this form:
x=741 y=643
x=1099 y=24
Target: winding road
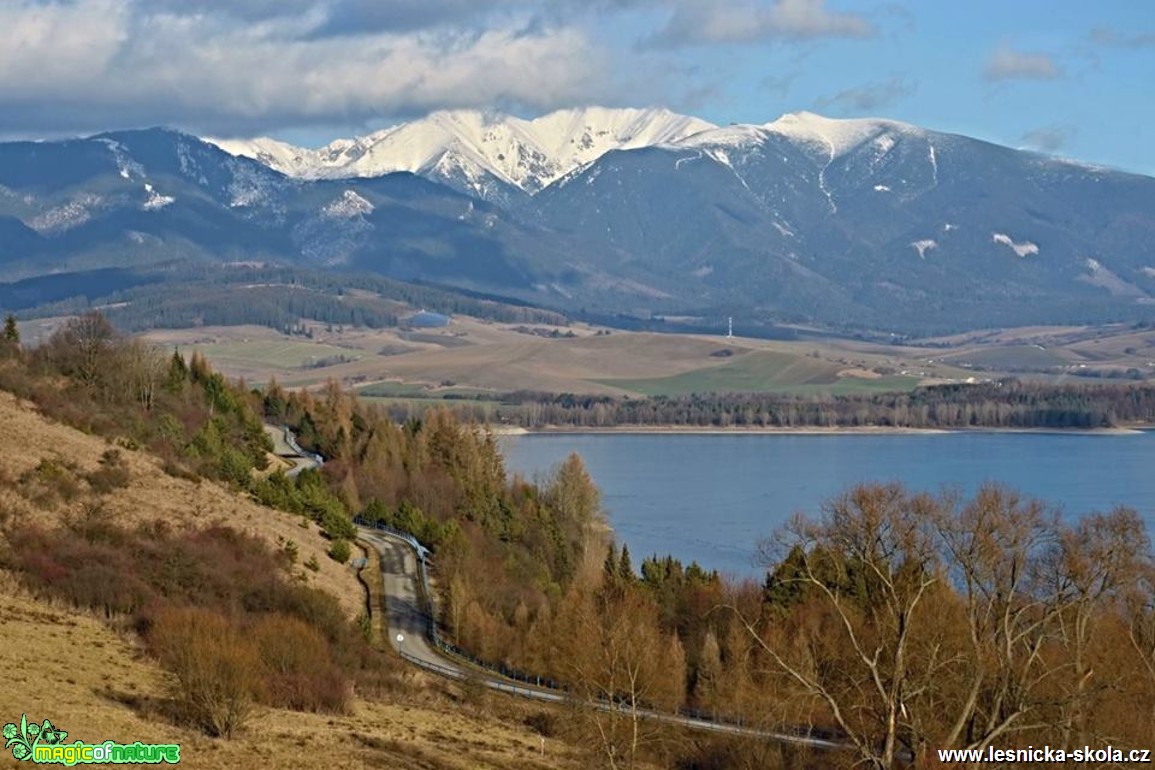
x=285 y=447
x=412 y=631
x=410 y=628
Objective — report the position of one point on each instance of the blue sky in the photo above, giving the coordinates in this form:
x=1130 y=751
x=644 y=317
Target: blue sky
x=1072 y=78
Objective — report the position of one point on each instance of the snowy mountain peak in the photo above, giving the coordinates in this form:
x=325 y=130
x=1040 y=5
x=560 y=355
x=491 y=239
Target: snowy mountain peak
x=491 y=155
x=837 y=135
x=479 y=151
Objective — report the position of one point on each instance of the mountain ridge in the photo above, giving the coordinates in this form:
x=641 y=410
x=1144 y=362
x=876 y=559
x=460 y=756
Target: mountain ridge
x=494 y=155
x=473 y=150
x=865 y=224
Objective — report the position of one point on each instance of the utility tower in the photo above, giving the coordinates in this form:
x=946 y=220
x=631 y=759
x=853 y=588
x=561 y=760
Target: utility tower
x=730 y=328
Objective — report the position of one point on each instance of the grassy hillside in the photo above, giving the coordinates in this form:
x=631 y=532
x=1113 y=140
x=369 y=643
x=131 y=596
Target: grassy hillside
x=91 y=678
x=479 y=357
x=767 y=371
x=94 y=683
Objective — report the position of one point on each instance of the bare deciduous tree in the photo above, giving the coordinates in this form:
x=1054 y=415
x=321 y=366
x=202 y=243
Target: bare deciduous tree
x=870 y=563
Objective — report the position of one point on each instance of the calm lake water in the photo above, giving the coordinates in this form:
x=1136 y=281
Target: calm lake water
x=711 y=497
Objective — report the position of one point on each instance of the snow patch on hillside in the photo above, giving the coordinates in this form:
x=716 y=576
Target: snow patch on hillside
x=1021 y=250
x=124 y=164
x=75 y=212
x=1101 y=276
x=923 y=246
x=155 y=200
x=347 y=206
x=734 y=137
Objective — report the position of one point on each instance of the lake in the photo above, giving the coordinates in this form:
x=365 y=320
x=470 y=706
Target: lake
x=710 y=497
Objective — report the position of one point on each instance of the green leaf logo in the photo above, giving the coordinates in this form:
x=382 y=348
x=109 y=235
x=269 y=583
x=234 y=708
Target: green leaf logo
x=50 y=735
x=22 y=740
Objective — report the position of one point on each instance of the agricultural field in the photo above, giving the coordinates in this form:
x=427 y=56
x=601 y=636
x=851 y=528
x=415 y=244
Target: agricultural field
x=769 y=372
x=471 y=359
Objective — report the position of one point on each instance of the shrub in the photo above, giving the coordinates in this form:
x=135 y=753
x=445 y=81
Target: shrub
x=112 y=473
x=313 y=564
x=49 y=483
x=340 y=551
x=298 y=670
x=216 y=667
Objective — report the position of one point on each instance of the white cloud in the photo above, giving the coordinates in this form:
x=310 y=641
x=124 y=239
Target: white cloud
x=1008 y=64
x=1050 y=138
x=869 y=96
x=58 y=44
x=695 y=22
x=1110 y=37
x=94 y=64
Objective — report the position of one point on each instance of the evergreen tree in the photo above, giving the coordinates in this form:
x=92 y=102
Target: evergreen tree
x=611 y=564
x=11 y=330
x=625 y=567
x=177 y=372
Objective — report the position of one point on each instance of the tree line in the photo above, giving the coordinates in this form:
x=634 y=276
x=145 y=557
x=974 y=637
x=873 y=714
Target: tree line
x=893 y=622
x=1009 y=403
x=185 y=295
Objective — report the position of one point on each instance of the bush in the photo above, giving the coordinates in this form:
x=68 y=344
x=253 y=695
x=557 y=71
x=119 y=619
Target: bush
x=49 y=483
x=228 y=585
x=298 y=671
x=112 y=473
x=340 y=551
x=216 y=667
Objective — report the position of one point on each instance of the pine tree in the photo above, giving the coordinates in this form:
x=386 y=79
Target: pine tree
x=611 y=565
x=11 y=330
x=177 y=372
x=625 y=567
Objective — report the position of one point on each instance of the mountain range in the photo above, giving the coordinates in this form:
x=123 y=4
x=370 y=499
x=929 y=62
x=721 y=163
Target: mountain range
x=477 y=153
x=864 y=224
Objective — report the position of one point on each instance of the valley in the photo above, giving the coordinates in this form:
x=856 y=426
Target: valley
x=611 y=216
x=471 y=358
x=532 y=385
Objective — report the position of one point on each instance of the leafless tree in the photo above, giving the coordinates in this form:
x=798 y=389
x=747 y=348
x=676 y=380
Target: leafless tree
x=871 y=564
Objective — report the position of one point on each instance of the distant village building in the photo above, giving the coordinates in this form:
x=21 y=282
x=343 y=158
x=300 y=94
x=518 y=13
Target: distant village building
x=427 y=320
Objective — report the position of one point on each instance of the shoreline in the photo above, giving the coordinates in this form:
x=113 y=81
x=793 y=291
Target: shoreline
x=812 y=430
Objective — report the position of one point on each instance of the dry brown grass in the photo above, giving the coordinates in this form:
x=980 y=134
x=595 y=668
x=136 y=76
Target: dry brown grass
x=497 y=357
x=152 y=494
x=71 y=668
x=94 y=680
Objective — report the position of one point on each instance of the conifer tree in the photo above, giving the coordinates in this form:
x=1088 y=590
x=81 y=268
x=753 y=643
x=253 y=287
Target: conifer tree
x=625 y=566
x=11 y=330
x=611 y=565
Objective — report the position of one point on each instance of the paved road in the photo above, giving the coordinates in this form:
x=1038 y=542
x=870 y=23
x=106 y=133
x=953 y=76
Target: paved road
x=288 y=451
x=407 y=618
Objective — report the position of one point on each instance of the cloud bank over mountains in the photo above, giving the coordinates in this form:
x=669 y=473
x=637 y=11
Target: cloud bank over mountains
x=308 y=70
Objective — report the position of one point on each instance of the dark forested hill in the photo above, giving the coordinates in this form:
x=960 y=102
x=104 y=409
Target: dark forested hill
x=861 y=224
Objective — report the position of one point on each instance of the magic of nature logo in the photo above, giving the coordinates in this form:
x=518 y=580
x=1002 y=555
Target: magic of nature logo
x=44 y=743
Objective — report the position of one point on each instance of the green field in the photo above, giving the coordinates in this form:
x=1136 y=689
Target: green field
x=395 y=389
x=488 y=408
x=1008 y=358
x=764 y=372
x=275 y=354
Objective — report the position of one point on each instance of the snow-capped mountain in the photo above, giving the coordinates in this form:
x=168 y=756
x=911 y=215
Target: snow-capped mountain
x=860 y=224
x=479 y=153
